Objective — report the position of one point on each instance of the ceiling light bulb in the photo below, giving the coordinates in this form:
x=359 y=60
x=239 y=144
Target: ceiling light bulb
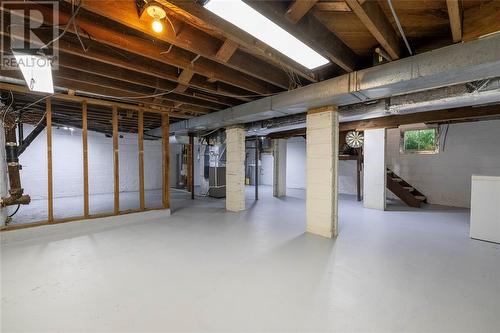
x=157 y=26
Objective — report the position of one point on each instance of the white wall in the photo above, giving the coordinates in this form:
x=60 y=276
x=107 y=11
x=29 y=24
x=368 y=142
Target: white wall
x=374 y=169
x=68 y=165
x=445 y=178
x=296 y=168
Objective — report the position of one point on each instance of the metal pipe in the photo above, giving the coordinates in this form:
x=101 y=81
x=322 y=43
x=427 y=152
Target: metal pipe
x=256 y=168
x=400 y=28
x=451 y=65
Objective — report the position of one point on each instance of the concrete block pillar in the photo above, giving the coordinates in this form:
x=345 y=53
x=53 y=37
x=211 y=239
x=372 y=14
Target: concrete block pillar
x=322 y=171
x=279 y=169
x=374 y=170
x=235 y=168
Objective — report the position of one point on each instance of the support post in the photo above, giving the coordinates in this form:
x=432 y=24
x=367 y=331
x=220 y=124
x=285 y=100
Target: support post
x=191 y=166
x=279 y=169
x=50 y=189
x=235 y=168
x=86 y=211
x=256 y=168
x=359 y=161
x=116 y=161
x=165 y=124
x=322 y=171
x=374 y=174
x=140 y=144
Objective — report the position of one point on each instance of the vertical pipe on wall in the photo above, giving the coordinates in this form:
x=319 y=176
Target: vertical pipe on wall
x=85 y=161
x=191 y=166
x=116 y=161
x=140 y=138
x=256 y=168
x=165 y=124
x=50 y=190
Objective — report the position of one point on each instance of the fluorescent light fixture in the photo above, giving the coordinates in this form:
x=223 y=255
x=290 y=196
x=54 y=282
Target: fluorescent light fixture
x=248 y=19
x=37 y=72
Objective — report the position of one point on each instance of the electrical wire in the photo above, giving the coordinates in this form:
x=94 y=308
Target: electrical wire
x=134 y=97
x=18 y=206
x=70 y=21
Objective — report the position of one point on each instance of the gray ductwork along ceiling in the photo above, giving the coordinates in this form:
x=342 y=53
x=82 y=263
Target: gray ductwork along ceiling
x=418 y=77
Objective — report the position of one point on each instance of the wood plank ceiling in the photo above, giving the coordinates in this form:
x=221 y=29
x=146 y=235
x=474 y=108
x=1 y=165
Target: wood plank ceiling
x=201 y=63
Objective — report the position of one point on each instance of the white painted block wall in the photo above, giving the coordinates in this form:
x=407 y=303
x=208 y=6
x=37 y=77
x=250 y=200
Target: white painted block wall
x=445 y=178
x=68 y=169
x=296 y=168
x=374 y=169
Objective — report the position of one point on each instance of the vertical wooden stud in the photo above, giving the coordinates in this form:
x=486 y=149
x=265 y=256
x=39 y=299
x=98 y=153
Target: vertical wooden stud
x=116 y=161
x=140 y=138
x=50 y=189
x=85 y=161
x=165 y=125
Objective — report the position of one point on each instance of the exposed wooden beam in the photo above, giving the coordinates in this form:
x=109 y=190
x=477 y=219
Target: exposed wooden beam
x=140 y=78
x=463 y=114
x=226 y=51
x=165 y=125
x=116 y=163
x=199 y=17
x=188 y=38
x=374 y=19
x=86 y=212
x=89 y=100
x=184 y=78
x=455 y=19
x=483 y=19
x=457 y=114
x=157 y=51
x=298 y=9
x=310 y=31
x=50 y=188
x=332 y=6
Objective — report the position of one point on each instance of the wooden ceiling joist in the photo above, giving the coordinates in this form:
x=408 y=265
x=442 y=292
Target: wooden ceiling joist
x=298 y=9
x=455 y=19
x=187 y=38
x=204 y=20
x=159 y=52
x=310 y=31
x=374 y=19
x=92 y=101
x=226 y=51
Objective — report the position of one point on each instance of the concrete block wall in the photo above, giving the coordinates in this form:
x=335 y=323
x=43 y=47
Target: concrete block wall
x=445 y=177
x=374 y=169
x=322 y=171
x=235 y=169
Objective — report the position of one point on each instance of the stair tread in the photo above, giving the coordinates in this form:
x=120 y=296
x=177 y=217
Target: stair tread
x=420 y=197
x=410 y=188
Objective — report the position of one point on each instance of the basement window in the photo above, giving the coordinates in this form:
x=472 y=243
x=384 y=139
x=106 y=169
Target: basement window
x=419 y=140
x=248 y=19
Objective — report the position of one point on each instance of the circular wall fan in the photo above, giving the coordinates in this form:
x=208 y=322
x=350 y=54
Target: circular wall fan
x=354 y=139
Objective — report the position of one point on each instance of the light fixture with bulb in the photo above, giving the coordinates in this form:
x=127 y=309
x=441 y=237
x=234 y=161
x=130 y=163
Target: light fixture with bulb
x=157 y=13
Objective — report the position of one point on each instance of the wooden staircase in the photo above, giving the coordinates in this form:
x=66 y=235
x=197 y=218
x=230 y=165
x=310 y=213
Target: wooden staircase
x=407 y=193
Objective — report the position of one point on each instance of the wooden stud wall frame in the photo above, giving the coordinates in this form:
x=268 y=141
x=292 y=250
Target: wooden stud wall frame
x=116 y=203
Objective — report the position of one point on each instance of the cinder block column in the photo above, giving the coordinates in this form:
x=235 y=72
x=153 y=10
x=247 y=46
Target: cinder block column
x=235 y=168
x=279 y=169
x=322 y=171
x=374 y=170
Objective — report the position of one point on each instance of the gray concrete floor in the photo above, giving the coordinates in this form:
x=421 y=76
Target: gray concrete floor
x=204 y=269
x=66 y=207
